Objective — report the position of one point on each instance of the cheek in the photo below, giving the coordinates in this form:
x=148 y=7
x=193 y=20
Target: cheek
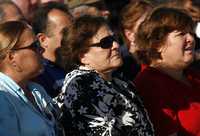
x=101 y=57
x=58 y=39
x=34 y=59
x=106 y=55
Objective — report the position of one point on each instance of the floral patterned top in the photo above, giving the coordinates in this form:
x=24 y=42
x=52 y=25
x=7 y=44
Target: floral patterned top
x=93 y=106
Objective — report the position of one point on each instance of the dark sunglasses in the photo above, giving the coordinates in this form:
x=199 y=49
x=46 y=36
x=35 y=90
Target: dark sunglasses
x=105 y=42
x=35 y=46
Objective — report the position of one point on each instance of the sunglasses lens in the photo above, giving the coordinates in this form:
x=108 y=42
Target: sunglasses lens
x=107 y=42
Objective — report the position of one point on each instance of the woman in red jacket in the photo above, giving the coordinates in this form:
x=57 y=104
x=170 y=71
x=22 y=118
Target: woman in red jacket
x=170 y=89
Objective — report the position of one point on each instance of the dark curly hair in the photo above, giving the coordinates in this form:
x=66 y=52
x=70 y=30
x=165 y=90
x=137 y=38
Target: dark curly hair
x=76 y=40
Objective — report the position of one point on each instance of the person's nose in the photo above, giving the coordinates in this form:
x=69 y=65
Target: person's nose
x=115 y=45
x=189 y=38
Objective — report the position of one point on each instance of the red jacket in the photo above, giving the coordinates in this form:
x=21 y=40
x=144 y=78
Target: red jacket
x=172 y=105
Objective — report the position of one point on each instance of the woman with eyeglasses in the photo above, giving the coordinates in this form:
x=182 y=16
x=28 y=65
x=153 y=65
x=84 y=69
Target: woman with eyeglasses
x=26 y=109
x=94 y=103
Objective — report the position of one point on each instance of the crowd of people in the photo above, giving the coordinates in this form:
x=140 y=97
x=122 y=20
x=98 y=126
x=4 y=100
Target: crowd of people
x=69 y=69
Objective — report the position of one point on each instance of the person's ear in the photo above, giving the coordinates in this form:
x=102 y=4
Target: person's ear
x=12 y=61
x=83 y=58
x=43 y=39
x=129 y=35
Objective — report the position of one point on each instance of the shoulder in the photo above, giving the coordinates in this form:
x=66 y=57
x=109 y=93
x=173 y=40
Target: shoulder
x=39 y=94
x=194 y=73
x=75 y=81
x=7 y=105
x=43 y=100
x=9 y=116
x=151 y=75
x=151 y=82
x=33 y=86
x=79 y=76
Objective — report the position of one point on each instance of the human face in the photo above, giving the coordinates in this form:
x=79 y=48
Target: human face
x=59 y=20
x=27 y=57
x=178 y=50
x=101 y=59
x=133 y=47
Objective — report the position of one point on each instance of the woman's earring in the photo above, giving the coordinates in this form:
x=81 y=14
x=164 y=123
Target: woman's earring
x=132 y=43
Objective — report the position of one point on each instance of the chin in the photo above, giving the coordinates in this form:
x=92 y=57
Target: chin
x=118 y=64
x=37 y=71
x=189 y=61
x=185 y=65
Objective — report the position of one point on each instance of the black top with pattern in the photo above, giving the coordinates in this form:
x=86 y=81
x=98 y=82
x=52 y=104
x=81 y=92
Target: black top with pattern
x=93 y=106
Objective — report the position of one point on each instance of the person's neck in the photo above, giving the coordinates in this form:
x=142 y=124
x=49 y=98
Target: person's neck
x=177 y=74
x=49 y=57
x=14 y=76
x=23 y=85
x=106 y=75
x=174 y=73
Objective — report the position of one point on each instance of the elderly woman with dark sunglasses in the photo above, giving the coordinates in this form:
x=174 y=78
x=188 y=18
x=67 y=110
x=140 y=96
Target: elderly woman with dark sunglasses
x=93 y=101
x=26 y=110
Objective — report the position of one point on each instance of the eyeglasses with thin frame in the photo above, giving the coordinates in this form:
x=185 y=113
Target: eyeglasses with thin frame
x=35 y=46
x=105 y=43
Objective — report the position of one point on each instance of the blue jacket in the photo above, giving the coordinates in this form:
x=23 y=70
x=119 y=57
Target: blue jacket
x=51 y=78
x=18 y=117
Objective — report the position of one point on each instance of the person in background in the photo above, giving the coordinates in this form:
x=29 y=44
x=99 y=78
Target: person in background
x=132 y=15
x=26 y=109
x=93 y=101
x=85 y=10
x=96 y=5
x=48 y=24
x=28 y=7
x=9 y=12
x=168 y=86
x=192 y=7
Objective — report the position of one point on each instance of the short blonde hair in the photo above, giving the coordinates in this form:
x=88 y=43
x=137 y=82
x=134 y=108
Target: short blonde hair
x=10 y=33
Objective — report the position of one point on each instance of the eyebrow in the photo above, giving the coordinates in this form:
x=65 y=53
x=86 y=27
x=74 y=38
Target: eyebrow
x=109 y=33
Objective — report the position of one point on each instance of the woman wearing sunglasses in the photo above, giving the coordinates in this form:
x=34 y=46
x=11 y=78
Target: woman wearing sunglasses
x=93 y=102
x=26 y=110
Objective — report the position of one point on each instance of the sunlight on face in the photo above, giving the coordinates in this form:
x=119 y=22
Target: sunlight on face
x=103 y=59
x=178 y=51
x=28 y=59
